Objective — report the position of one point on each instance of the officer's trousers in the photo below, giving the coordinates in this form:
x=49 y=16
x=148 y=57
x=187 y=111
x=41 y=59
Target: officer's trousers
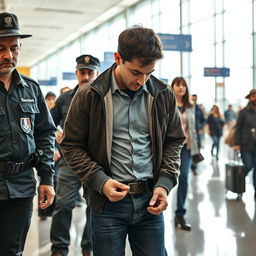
x=68 y=186
x=15 y=217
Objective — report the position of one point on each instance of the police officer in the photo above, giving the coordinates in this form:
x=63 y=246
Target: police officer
x=26 y=141
x=68 y=184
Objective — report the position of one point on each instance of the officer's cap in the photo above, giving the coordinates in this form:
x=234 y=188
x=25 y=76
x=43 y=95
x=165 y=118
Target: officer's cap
x=87 y=61
x=9 y=25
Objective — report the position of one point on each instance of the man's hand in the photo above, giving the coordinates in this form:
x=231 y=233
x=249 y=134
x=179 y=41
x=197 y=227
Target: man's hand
x=236 y=147
x=56 y=155
x=158 y=202
x=59 y=135
x=46 y=196
x=114 y=190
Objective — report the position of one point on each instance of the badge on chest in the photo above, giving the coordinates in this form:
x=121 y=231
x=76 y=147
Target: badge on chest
x=25 y=124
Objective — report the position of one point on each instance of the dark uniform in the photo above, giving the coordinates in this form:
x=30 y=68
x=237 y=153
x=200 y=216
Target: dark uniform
x=67 y=192
x=60 y=110
x=26 y=127
x=68 y=183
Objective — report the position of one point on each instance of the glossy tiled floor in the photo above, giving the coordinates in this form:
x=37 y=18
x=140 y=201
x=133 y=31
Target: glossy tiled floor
x=221 y=225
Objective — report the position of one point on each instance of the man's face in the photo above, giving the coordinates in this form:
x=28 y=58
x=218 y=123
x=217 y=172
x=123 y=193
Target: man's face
x=252 y=99
x=9 y=53
x=132 y=75
x=50 y=101
x=84 y=76
x=194 y=98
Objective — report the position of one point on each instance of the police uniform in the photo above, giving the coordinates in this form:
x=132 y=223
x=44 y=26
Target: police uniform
x=68 y=184
x=26 y=140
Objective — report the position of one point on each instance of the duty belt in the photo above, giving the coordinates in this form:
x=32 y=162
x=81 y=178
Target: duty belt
x=12 y=168
x=137 y=187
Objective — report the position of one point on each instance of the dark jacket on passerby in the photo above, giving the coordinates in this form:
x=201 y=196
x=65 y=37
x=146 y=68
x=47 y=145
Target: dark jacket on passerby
x=215 y=125
x=60 y=110
x=26 y=126
x=229 y=115
x=93 y=140
x=200 y=120
x=245 y=135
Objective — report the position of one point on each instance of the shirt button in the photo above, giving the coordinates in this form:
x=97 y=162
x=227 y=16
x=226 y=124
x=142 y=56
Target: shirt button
x=12 y=119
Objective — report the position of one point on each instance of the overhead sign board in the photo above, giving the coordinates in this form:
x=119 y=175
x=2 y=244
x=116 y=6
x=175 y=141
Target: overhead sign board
x=49 y=82
x=69 y=76
x=176 y=42
x=224 y=72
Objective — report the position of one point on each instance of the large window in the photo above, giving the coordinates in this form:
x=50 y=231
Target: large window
x=222 y=36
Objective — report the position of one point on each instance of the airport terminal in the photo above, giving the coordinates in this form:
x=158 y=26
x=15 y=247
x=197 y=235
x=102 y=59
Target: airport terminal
x=210 y=47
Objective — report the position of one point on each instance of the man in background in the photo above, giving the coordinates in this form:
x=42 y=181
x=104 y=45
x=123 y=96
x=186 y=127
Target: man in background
x=230 y=117
x=50 y=99
x=68 y=184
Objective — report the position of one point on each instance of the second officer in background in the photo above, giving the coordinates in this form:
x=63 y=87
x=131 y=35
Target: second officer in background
x=68 y=184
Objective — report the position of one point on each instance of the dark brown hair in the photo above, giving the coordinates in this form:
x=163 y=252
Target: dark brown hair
x=139 y=42
x=185 y=99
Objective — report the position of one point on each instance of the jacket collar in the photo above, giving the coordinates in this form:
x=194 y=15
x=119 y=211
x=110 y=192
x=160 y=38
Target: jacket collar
x=103 y=83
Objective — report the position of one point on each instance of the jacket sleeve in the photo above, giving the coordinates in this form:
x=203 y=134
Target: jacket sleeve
x=75 y=140
x=44 y=136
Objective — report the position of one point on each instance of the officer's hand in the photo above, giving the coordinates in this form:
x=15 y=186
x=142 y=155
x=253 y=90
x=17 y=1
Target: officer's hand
x=158 y=202
x=46 y=196
x=114 y=190
x=58 y=137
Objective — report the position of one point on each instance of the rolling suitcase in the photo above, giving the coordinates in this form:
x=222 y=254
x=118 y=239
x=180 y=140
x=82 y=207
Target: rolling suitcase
x=235 y=175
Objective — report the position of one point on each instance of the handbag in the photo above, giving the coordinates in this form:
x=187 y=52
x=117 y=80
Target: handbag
x=230 y=138
x=197 y=158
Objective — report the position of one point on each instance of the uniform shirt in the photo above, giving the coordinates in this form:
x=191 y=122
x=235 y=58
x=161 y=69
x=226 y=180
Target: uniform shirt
x=131 y=157
x=26 y=125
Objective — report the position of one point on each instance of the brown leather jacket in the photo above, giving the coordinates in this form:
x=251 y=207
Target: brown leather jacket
x=88 y=135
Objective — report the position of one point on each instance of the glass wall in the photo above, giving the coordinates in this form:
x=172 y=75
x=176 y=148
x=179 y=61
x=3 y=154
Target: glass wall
x=222 y=36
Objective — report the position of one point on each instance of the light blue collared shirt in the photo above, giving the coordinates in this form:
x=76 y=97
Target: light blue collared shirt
x=131 y=155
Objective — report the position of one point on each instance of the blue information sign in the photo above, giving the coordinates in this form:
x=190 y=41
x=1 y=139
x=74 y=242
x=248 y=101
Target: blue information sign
x=50 y=82
x=224 y=72
x=176 y=42
x=109 y=57
x=69 y=76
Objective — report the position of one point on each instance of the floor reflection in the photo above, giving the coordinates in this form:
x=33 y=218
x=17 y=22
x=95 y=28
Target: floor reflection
x=221 y=224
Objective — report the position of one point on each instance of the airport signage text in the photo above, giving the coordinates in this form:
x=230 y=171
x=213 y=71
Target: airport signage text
x=176 y=42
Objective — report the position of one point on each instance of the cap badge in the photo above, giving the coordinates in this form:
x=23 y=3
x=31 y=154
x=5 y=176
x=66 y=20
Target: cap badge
x=87 y=59
x=8 y=21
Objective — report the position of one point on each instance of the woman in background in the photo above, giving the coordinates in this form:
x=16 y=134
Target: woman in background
x=190 y=148
x=215 y=125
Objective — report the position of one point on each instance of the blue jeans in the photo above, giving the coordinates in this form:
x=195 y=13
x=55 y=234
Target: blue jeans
x=128 y=217
x=68 y=186
x=215 y=144
x=185 y=165
x=249 y=160
x=15 y=218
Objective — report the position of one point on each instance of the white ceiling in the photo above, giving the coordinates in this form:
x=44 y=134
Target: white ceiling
x=53 y=23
